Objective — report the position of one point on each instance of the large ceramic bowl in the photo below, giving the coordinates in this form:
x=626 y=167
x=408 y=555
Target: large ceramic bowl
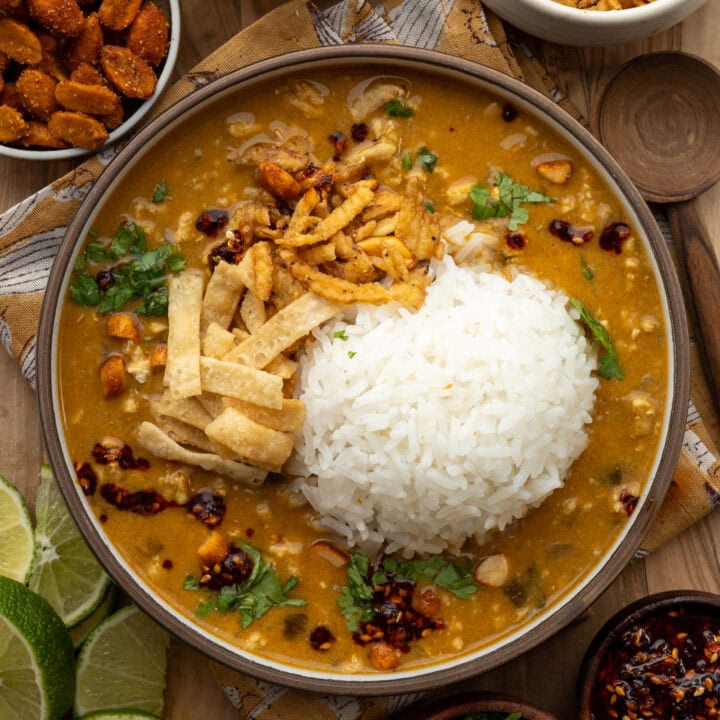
x=566 y=25
x=379 y=59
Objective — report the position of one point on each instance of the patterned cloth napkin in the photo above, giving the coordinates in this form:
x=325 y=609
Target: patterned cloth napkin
x=31 y=233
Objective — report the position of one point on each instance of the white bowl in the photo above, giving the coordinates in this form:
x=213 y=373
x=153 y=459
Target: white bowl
x=172 y=9
x=566 y=25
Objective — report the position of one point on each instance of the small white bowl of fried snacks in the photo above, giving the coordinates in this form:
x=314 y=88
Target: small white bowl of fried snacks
x=77 y=76
x=593 y=23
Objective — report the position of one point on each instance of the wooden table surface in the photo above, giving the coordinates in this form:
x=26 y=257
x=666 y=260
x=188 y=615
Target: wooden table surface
x=545 y=676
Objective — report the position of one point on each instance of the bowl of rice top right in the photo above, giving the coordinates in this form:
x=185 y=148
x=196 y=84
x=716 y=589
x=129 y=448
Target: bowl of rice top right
x=370 y=398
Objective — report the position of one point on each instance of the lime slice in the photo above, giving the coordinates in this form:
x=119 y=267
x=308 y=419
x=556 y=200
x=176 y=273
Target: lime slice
x=17 y=548
x=66 y=573
x=119 y=715
x=122 y=665
x=80 y=632
x=36 y=657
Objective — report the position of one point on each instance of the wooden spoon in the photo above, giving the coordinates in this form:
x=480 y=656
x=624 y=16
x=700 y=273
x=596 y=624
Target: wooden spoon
x=659 y=116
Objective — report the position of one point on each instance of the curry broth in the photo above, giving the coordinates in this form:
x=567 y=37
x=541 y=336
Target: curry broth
x=549 y=550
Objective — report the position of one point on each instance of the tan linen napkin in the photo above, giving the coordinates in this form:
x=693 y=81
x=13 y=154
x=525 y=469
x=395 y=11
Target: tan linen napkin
x=30 y=235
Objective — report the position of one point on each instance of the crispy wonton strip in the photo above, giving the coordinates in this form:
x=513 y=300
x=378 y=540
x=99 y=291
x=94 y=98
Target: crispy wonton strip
x=184 y=434
x=250 y=439
x=240 y=381
x=182 y=372
x=282 y=366
x=188 y=410
x=222 y=296
x=217 y=341
x=212 y=403
x=252 y=312
x=285 y=327
x=289 y=418
x=152 y=438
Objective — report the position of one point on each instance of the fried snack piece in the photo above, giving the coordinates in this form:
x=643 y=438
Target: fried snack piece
x=130 y=74
x=38 y=135
x=19 y=42
x=12 y=125
x=50 y=63
x=118 y=14
x=149 y=35
x=36 y=91
x=4 y=61
x=2 y=84
x=90 y=99
x=113 y=119
x=6 y=5
x=278 y=182
x=113 y=376
x=85 y=48
x=87 y=75
x=63 y=18
x=10 y=96
x=78 y=129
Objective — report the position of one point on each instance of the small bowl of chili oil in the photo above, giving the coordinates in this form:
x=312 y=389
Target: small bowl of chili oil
x=657 y=659
x=474 y=706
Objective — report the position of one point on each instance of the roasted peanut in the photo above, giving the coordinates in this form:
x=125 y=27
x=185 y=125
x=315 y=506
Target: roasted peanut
x=278 y=182
x=38 y=135
x=131 y=75
x=158 y=357
x=85 y=48
x=36 y=90
x=78 y=129
x=556 y=171
x=493 y=570
x=118 y=14
x=214 y=550
x=122 y=325
x=330 y=552
x=49 y=63
x=114 y=119
x=63 y=18
x=87 y=75
x=12 y=125
x=149 y=34
x=426 y=601
x=90 y=99
x=19 y=42
x=10 y=96
x=383 y=656
x=113 y=376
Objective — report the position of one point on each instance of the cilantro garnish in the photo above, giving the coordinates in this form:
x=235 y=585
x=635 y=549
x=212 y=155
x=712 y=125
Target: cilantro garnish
x=406 y=161
x=397 y=108
x=427 y=159
x=609 y=363
x=160 y=192
x=253 y=597
x=341 y=335
x=511 y=196
x=429 y=206
x=351 y=354
x=586 y=271
x=141 y=275
x=356 y=597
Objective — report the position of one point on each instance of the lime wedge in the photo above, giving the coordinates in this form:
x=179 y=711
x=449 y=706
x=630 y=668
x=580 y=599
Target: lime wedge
x=66 y=573
x=119 y=715
x=80 y=632
x=36 y=657
x=17 y=548
x=122 y=665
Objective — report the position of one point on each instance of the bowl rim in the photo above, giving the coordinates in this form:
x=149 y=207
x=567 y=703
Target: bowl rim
x=630 y=614
x=606 y=18
x=126 y=126
x=593 y=582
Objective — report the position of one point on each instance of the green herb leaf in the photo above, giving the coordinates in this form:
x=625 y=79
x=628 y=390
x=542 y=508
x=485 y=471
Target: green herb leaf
x=356 y=597
x=609 y=366
x=586 y=271
x=128 y=240
x=155 y=303
x=406 y=161
x=85 y=291
x=341 y=335
x=191 y=583
x=427 y=159
x=454 y=577
x=429 y=206
x=397 y=108
x=160 y=192
x=511 y=196
x=351 y=354
x=205 y=608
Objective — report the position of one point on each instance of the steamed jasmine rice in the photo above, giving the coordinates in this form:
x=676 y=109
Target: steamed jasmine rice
x=424 y=429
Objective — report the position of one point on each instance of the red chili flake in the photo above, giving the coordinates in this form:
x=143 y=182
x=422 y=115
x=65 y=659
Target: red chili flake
x=111 y=452
x=105 y=279
x=86 y=477
x=339 y=141
x=249 y=532
x=628 y=500
x=235 y=568
x=451 y=129
x=207 y=507
x=509 y=112
x=103 y=518
x=167 y=564
x=359 y=132
x=565 y=231
x=142 y=502
x=321 y=639
x=613 y=237
x=232 y=250
x=515 y=240
x=212 y=221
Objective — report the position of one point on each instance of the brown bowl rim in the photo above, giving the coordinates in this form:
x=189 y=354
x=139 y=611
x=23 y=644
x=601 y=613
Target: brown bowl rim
x=431 y=63
x=629 y=615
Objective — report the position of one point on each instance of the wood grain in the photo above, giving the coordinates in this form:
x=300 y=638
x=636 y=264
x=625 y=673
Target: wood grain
x=546 y=675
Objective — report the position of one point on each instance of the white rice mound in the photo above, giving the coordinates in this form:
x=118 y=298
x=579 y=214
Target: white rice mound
x=448 y=422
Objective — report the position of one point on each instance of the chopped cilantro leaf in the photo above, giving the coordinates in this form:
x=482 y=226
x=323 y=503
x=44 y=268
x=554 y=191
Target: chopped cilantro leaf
x=351 y=354
x=511 y=196
x=85 y=291
x=427 y=159
x=341 y=335
x=397 y=108
x=128 y=240
x=429 y=206
x=609 y=366
x=155 y=303
x=160 y=192
x=191 y=583
x=356 y=597
x=454 y=577
x=204 y=609
x=406 y=161
x=586 y=270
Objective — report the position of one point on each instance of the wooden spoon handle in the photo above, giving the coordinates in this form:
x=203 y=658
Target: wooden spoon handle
x=703 y=274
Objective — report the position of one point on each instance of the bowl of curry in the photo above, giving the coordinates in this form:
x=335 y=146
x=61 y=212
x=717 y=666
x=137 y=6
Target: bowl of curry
x=201 y=273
